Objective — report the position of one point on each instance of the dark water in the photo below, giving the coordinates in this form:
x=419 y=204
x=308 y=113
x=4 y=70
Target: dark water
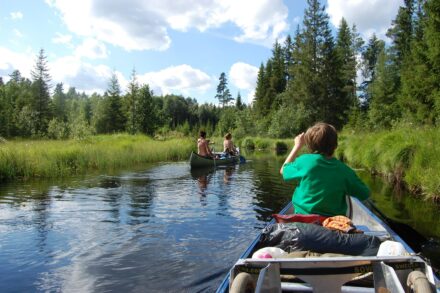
x=163 y=228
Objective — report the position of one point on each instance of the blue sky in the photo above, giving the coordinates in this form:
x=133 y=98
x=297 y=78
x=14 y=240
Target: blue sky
x=175 y=46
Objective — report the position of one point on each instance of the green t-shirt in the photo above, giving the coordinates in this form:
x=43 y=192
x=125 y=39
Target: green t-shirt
x=323 y=185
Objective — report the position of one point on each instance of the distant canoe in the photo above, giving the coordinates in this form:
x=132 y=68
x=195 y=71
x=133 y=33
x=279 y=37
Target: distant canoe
x=197 y=161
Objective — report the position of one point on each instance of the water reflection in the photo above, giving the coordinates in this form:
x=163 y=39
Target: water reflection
x=203 y=176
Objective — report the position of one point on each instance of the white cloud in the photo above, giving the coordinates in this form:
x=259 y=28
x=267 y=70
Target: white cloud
x=18 y=33
x=10 y=61
x=16 y=15
x=69 y=70
x=143 y=25
x=369 y=16
x=243 y=76
x=92 y=49
x=261 y=21
x=182 y=79
x=62 y=39
x=73 y=72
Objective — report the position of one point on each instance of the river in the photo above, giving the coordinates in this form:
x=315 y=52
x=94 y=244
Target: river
x=160 y=228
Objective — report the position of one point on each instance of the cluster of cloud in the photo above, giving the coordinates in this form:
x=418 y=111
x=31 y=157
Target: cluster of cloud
x=372 y=16
x=16 y=15
x=144 y=25
x=183 y=79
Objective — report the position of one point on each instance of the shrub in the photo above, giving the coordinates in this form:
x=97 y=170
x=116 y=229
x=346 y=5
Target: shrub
x=248 y=143
x=262 y=143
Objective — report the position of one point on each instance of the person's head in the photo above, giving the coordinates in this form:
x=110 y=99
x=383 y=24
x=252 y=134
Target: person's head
x=202 y=134
x=228 y=136
x=322 y=138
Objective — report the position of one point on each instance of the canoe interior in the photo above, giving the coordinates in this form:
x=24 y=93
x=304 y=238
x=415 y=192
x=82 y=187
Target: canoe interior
x=364 y=219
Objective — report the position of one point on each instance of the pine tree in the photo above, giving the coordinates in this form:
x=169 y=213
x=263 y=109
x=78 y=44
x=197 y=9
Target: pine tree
x=223 y=94
x=41 y=97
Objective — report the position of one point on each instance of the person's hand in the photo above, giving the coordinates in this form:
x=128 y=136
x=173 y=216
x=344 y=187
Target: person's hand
x=299 y=140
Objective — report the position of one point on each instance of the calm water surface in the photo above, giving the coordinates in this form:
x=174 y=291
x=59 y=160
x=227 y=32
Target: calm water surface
x=163 y=228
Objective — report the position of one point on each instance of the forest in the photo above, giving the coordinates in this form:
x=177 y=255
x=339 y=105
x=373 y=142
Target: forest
x=316 y=74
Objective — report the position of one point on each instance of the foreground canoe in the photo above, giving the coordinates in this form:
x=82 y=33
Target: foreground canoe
x=402 y=273
x=197 y=161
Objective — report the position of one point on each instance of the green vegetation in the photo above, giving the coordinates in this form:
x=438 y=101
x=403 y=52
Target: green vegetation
x=107 y=152
x=406 y=155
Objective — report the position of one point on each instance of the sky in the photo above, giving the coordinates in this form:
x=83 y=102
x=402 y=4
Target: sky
x=175 y=46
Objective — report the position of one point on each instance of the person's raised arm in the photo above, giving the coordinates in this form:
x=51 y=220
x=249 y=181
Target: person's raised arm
x=299 y=142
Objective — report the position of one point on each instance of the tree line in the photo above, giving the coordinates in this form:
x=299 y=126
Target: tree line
x=315 y=76
x=312 y=76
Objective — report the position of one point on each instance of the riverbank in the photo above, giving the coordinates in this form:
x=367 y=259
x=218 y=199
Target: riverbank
x=61 y=158
x=406 y=156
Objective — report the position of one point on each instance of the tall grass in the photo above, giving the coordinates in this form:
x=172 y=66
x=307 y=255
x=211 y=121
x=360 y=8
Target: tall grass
x=48 y=158
x=405 y=155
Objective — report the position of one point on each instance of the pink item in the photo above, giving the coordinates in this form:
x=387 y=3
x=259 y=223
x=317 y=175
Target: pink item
x=265 y=255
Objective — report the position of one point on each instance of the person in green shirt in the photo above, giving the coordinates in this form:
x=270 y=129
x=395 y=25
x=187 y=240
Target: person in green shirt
x=324 y=181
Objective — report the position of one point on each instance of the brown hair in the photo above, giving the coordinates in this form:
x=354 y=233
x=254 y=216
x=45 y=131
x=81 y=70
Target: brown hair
x=202 y=133
x=228 y=135
x=322 y=138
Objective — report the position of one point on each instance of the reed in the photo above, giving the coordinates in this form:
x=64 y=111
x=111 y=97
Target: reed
x=406 y=155
x=48 y=158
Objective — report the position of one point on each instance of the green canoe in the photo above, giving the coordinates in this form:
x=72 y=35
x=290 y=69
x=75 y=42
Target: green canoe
x=197 y=161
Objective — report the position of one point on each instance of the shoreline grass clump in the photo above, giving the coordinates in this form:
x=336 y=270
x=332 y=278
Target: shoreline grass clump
x=56 y=158
x=407 y=156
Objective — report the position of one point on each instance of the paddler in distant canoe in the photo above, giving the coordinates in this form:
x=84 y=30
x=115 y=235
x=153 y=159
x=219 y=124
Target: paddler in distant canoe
x=203 y=146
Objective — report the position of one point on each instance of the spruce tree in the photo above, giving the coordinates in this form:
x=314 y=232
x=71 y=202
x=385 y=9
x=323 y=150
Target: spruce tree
x=315 y=66
x=347 y=47
x=41 y=103
x=260 y=91
x=383 y=110
x=114 y=118
x=131 y=103
x=59 y=103
x=402 y=32
x=238 y=102
x=369 y=61
x=146 y=118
